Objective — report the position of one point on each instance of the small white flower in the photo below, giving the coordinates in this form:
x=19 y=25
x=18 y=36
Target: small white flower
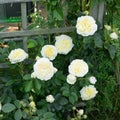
x=81 y=112
x=78 y=68
x=33 y=75
x=107 y=27
x=44 y=69
x=49 y=51
x=32 y=104
x=63 y=44
x=86 y=25
x=85 y=116
x=31 y=98
x=92 y=80
x=17 y=55
x=37 y=58
x=88 y=92
x=71 y=79
x=113 y=35
x=50 y=99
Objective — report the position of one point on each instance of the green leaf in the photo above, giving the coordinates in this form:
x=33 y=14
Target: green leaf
x=65 y=90
x=31 y=43
x=48 y=115
x=74 y=95
x=72 y=99
x=17 y=103
x=18 y=114
x=27 y=77
x=24 y=114
x=57 y=106
x=8 y=107
x=98 y=40
x=1 y=50
x=57 y=13
x=63 y=101
x=40 y=41
x=53 y=3
x=65 y=93
x=37 y=84
x=28 y=86
x=36 y=118
x=10 y=82
x=112 y=51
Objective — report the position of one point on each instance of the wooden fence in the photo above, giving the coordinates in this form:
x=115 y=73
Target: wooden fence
x=97 y=12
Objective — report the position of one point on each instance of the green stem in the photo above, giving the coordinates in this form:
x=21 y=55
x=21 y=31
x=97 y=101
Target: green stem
x=83 y=5
x=49 y=39
x=20 y=65
x=117 y=72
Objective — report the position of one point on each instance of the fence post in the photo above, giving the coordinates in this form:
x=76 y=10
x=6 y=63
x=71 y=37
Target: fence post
x=98 y=12
x=24 y=23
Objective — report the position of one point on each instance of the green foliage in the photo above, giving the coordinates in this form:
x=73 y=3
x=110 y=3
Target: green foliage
x=18 y=115
x=23 y=97
x=8 y=107
x=32 y=43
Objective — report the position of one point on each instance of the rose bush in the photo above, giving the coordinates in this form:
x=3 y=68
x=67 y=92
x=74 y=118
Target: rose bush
x=50 y=86
x=68 y=76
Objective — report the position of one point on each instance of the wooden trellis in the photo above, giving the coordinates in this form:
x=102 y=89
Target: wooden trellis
x=97 y=13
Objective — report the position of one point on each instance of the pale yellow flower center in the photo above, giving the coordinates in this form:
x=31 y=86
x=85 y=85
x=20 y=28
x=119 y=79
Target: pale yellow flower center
x=65 y=44
x=44 y=68
x=77 y=69
x=17 y=54
x=86 y=25
x=49 y=52
x=89 y=91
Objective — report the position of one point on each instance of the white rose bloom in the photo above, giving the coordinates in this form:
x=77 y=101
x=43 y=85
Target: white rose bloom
x=71 y=79
x=92 y=80
x=44 y=69
x=88 y=92
x=17 y=55
x=63 y=44
x=78 y=68
x=49 y=51
x=50 y=99
x=113 y=35
x=86 y=25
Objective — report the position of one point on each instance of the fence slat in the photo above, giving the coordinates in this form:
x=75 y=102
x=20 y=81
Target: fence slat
x=3 y=65
x=15 y=1
x=36 y=32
